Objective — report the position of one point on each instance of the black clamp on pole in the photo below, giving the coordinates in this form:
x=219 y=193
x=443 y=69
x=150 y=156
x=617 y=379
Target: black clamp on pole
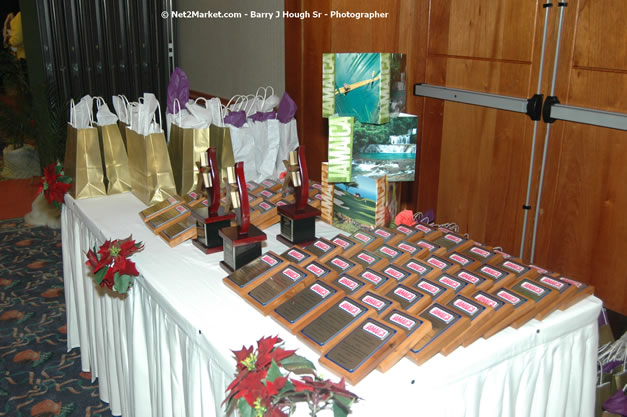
x=546 y=110
x=534 y=107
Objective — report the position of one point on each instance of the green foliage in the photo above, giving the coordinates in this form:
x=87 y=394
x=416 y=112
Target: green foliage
x=122 y=282
x=298 y=364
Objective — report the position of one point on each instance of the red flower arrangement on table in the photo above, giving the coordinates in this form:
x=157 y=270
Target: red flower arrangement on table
x=260 y=388
x=55 y=184
x=110 y=265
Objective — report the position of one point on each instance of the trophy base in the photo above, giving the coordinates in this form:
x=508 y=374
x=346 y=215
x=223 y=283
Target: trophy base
x=208 y=239
x=297 y=226
x=205 y=249
x=240 y=250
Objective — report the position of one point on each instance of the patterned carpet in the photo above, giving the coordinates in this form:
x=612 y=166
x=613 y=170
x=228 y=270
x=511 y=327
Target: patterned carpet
x=38 y=377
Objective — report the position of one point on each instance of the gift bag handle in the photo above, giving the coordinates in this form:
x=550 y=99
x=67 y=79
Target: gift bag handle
x=179 y=118
x=201 y=98
x=130 y=120
x=72 y=112
x=125 y=105
x=157 y=113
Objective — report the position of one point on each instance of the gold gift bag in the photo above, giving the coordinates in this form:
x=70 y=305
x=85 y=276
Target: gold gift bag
x=83 y=163
x=185 y=147
x=152 y=180
x=220 y=138
x=117 y=176
x=122 y=129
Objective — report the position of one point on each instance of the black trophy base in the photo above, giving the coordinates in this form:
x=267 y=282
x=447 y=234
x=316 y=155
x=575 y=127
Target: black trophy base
x=297 y=227
x=209 y=240
x=240 y=250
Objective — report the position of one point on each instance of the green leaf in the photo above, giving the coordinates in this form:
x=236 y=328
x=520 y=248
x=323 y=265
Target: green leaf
x=245 y=410
x=65 y=179
x=122 y=282
x=341 y=406
x=58 y=169
x=99 y=276
x=298 y=364
x=287 y=387
x=274 y=372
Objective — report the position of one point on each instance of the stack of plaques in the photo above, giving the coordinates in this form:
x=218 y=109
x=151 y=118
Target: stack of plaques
x=365 y=301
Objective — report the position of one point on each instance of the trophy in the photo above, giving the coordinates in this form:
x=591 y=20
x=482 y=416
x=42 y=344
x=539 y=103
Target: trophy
x=298 y=220
x=209 y=215
x=242 y=243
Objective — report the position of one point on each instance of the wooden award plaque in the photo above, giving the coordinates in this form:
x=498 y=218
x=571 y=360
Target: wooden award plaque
x=396 y=275
x=341 y=265
x=410 y=248
x=522 y=306
x=439 y=293
x=192 y=199
x=499 y=277
x=271 y=185
x=368 y=259
x=519 y=270
x=408 y=299
x=338 y=320
x=545 y=300
x=476 y=313
x=413 y=329
x=390 y=237
x=465 y=262
x=253 y=188
x=445 y=325
x=368 y=240
x=421 y=268
x=482 y=254
x=179 y=232
x=392 y=254
x=452 y=242
x=425 y=231
x=349 y=245
x=566 y=291
x=323 y=249
x=297 y=256
x=430 y=248
x=350 y=285
x=500 y=309
x=242 y=279
x=253 y=200
x=543 y=271
x=318 y=270
x=409 y=233
x=376 y=279
x=378 y=303
x=267 y=294
x=269 y=195
x=311 y=299
x=167 y=218
x=355 y=355
x=263 y=212
x=583 y=290
x=457 y=285
x=479 y=283
x=442 y=264
x=157 y=209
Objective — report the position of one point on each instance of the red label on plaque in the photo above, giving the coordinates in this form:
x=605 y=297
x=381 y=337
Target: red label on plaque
x=441 y=314
x=316 y=270
x=490 y=271
x=450 y=282
x=193 y=195
x=513 y=266
x=351 y=309
x=503 y=254
x=321 y=245
x=540 y=270
x=366 y=258
x=403 y=321
x=553 y=283
x=388 y=251
x=572 y=282
x=291 y=274
x=375 y=302
x=371 y=277
x=205 y=202
x=423 y=228
x=485 y=300
x=172 y=200
x=406 y=247
x=480 y=251
x=267 y=183
x=375 y=330
x=269 y=260
x=453 y=238
x=382 y=233
x=348 y=283
x=362 y=237
x=340 y=263
x=341 y=242
x=533 y=288
x=316 y=186
x=428 y=287
x=250 y=187
x=393 y=272
x=404 y=229
x=460 y=259
x=401 y=292
x=318 y=196
x=266 y=193
x=468 y=277
x=467 y=307
x=424 y=244
x=281 y=203
x=181 y=209
x=416 y=267
x=320 y=290
x=436 y=262
x=265 y=205
x=296 y=255
x=509 y=297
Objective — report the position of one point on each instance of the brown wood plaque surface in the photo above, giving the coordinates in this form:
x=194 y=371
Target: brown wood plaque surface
x=323 y=249
x=276 y=288
x=413 y=328
x=349 y=245
x=251 y=272
x=445 y=324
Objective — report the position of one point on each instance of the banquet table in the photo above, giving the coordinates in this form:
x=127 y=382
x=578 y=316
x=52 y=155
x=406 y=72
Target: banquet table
x=164 y=348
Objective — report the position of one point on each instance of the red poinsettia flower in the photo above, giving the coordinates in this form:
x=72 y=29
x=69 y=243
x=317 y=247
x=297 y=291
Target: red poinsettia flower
x=252 y=387
x=113 y=256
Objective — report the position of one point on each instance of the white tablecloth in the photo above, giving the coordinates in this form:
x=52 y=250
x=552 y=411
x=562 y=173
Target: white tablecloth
x=164 y=349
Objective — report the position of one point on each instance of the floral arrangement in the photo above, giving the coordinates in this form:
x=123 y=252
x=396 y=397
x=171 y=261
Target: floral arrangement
x=110 y=265
x=55 y=184
x=264 y=385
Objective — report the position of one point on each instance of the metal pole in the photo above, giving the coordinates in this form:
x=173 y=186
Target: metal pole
x=548 y=131
x=526 y=207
